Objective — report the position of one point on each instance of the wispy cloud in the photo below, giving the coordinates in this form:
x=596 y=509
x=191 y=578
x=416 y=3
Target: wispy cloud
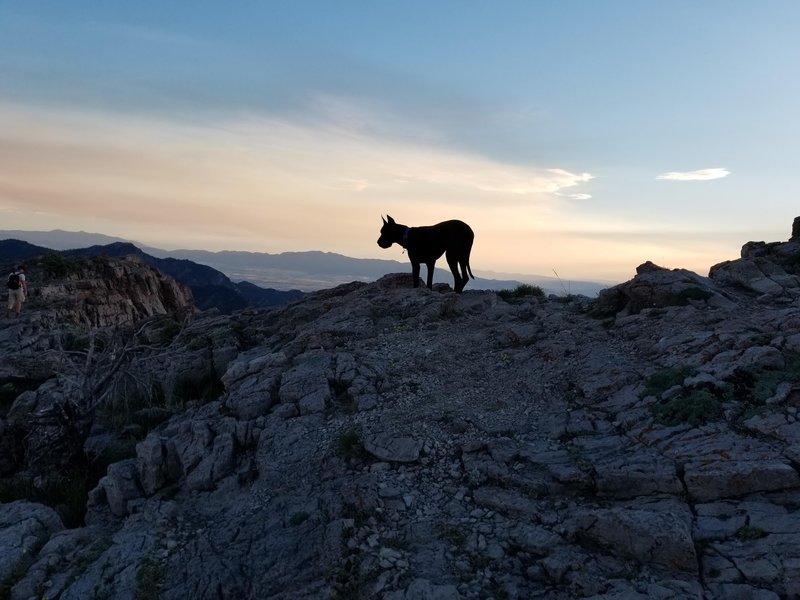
x=699 y=175
x=579 y=196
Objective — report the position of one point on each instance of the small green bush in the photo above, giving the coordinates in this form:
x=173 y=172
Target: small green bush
x=695 y=408
x=349 y=444
x=756 y=385
x=660 y=382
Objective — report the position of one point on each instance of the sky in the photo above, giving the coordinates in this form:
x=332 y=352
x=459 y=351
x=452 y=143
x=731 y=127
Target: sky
x=581 y=137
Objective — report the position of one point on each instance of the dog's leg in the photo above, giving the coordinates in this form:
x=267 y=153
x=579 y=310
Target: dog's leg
x=458 y=282
x=430 y=266
x=415 y=273
x=464 y=277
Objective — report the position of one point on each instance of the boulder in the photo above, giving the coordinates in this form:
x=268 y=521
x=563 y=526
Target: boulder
x=388 y=447
x=654 y=286
x=157 y=462
x=306 y=384
x=120 y=485
x=24 y=528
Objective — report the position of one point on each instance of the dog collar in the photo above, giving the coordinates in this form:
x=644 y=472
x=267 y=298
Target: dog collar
x=404 y=241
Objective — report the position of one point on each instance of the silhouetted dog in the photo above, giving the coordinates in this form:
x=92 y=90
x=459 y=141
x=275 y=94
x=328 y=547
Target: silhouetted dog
x=427 y=244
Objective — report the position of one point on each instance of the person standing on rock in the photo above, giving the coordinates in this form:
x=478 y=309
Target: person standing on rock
x=17 y=290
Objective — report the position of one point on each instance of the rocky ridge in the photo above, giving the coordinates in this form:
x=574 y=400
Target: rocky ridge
x=379 y=441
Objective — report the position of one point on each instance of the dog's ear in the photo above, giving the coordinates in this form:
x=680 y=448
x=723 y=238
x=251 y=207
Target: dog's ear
x=384 y=220
x=391 y=220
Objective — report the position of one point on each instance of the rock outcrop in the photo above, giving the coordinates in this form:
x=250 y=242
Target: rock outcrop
x=657 y=287
x=770 y=271
x=103 y=292
x=380 y=441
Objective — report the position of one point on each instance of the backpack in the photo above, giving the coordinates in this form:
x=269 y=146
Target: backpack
x=13 y=281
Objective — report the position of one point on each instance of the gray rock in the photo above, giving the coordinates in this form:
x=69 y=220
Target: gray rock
x=422 y=589
x=24 y=528
x=388 y=447
x=661 y=539
x=727 y=479
x=741 y=591
x=157 y=463
x=220 y=463
x=306 y=384
x=762 y=356
x=120 y=485
x=534 y=539
x=757 y=275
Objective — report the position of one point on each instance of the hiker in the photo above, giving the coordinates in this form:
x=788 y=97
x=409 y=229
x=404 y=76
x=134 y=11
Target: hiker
x=17 y=290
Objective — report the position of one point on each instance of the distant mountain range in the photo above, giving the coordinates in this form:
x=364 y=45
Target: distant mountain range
x=307 y=271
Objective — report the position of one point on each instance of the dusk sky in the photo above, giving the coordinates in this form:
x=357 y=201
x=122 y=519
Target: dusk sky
x=584 y=137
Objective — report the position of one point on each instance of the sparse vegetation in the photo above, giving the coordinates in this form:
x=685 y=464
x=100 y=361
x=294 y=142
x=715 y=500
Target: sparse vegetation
x=342 y=397
x=298 y=518
x=757 y=385
x=749 y=388
x=748 y=532
x=58 y=265
x=65 y=493
x=694 y=408
x=454 y=535
x=16 y=574
x=661 y=381
x=244 y=337
x=149 y=578
x=92 y=553
x=521 y=292
x=349 y=444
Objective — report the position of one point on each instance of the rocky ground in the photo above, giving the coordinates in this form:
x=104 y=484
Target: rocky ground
x=379 y=441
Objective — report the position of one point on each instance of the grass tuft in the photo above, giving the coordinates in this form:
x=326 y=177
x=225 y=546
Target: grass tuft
x=520 y=292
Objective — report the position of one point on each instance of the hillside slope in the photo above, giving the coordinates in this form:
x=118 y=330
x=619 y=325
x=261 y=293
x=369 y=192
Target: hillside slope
x=378 y=441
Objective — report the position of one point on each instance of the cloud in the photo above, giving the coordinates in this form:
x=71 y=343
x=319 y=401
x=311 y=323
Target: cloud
x=579 y=196
x=699 y=175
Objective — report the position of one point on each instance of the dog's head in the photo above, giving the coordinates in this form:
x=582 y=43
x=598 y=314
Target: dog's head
x=391 y=232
